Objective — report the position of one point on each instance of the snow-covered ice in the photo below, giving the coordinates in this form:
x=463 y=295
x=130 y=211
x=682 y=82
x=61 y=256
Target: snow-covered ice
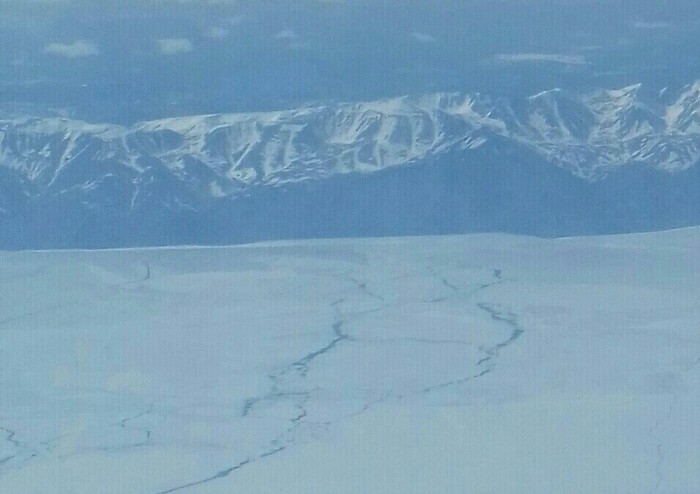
x=481 y=364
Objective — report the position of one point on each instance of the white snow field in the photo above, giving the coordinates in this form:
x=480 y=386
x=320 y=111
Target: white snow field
x=467 y=364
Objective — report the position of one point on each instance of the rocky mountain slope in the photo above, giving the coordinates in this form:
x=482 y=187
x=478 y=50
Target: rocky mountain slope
x=192 y=165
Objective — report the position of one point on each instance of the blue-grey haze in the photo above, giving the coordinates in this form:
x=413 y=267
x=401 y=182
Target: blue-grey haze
x=121 y=62
x=252 y=55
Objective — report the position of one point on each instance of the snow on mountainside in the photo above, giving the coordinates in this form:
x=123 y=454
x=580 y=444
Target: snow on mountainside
x=215 y=156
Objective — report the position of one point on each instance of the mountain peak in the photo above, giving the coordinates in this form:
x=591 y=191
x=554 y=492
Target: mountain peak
x=587 y=135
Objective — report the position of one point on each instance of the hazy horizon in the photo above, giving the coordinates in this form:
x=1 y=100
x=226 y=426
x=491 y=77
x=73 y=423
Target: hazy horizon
x=126 y=61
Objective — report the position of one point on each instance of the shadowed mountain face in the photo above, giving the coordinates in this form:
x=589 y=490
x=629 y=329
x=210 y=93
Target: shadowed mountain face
x=555 y=163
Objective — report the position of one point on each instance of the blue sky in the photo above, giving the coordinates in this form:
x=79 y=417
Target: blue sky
x=129 y=60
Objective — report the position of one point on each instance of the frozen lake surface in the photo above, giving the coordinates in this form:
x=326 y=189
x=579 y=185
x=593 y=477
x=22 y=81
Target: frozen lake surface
x=482 y=364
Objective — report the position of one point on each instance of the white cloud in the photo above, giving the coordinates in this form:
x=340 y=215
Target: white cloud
x=33 y=1
x=651 y=25
x=541 y=58
x=80 y=48
x=216 y=32
x=286 y=34
x=206 y=2
x=423 y=37
x=175 y=46
x=300 y=45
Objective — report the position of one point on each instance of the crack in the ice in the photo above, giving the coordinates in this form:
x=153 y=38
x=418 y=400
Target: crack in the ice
x=656 y=437
x=296 y=421
x=658 y=465
x=275 y=448
x=49 y=445
x=496 y=274
x=302 y=365
x=219 y=475
x=301 y=368
x=371 y=404
x=446 y=283
x=273 y=452
x=658 y=441
x=146 y=431
x=362 y=287
x=504 y=317
x=10 y=437
x=492 y=352
x=20 y=448
x=455 y=382
x=251 y=403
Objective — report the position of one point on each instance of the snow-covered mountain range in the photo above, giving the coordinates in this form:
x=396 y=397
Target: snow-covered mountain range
x=190 y=163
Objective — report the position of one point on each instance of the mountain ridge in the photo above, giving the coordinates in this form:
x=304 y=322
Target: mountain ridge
x=586 y=134
x=60 y=174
